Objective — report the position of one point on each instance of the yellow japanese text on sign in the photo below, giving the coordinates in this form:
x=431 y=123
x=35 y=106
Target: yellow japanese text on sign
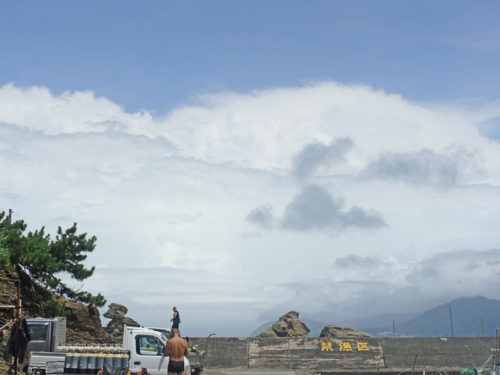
x=345 y=346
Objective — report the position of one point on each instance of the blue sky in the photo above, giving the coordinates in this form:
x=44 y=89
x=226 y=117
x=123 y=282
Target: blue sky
x=337 y=158
x=159 y=54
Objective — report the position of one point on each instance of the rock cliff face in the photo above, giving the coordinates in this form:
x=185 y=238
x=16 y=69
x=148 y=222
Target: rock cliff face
x=83 y=322
x=117 y=314
x=8 y=296
x=335 y=331
x=288 y=325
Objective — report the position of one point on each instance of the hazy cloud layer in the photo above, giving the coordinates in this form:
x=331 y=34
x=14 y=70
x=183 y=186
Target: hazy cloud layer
x=316 y=155
x=356 y=282
x=426 y=166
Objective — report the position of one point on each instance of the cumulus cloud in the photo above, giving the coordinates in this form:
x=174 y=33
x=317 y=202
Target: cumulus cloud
x=315 y=208
x=36 y=108
x=490 y=128
x=426 y=166
x=262 y=216
x=316 y=154
x=264 y=129
x=169 y=192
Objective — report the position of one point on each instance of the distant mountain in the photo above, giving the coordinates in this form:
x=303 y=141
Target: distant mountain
x=315 y=326
x=469 y=315
x=261 y=329
x=381 y=320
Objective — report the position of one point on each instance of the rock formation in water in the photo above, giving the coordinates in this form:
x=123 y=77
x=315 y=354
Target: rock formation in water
x=288 y=325
x=334 y=331
x=117 y=314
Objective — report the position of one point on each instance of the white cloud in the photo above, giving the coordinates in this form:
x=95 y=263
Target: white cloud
x=173 y=193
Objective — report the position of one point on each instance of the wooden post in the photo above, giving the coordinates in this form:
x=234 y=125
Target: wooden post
x=18 y=311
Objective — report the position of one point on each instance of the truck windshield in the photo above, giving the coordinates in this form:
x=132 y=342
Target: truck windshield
x=38 y=331
x=148 y=345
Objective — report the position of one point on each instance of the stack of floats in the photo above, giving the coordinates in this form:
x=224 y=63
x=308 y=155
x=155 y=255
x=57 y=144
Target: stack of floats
x=89 y=359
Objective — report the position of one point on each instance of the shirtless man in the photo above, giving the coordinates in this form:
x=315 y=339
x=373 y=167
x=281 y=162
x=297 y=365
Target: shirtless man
x=176 y=349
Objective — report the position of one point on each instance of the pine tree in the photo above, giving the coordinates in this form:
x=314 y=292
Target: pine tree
x=42 y=257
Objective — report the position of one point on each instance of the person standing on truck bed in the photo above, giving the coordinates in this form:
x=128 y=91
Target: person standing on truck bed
x=176 y=349
x=176 y=319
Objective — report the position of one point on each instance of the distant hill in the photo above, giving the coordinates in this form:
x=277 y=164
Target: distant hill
x=467 y=313
x=261 y=329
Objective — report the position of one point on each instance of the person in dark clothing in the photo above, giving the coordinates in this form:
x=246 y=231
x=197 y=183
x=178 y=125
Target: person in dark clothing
x=176 y=319
x=19 y=338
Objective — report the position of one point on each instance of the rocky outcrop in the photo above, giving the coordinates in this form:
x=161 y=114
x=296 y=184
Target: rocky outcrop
x=288 y=325
x=117 y=314
x=335 y=331
x=83 y=323
x=8 y=293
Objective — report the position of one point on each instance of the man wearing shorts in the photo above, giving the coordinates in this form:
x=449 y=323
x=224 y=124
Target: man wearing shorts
x=176 y=319
x=176 y=349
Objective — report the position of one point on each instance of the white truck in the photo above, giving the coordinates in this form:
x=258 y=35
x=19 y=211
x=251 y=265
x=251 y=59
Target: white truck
x=141 y=348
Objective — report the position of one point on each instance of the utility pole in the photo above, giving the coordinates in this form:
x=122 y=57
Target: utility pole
x=18 y=307
x=451 y=321
x=482 y=327
x=394 y=328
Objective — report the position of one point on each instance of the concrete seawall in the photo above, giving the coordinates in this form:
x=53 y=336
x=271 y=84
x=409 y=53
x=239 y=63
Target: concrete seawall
x=373 y=355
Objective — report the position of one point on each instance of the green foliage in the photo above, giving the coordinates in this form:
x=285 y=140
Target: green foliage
x=52 y=307
x=42 y=257
x=4 y=253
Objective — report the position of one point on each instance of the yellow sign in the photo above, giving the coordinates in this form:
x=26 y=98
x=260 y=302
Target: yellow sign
x=345 y=346
x=326 y=347
x=363 y=347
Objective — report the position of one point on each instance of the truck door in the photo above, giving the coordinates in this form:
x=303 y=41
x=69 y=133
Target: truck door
x=149 y=353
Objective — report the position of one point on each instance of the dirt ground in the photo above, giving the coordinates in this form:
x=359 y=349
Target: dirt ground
x=3 y=368
x=250 y=372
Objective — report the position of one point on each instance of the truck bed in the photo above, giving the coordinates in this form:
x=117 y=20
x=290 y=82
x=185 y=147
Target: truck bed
x=53 y=362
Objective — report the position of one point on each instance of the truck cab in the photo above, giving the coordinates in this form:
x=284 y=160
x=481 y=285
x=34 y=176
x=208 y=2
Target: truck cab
x=147 y=349
x=46 y=333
